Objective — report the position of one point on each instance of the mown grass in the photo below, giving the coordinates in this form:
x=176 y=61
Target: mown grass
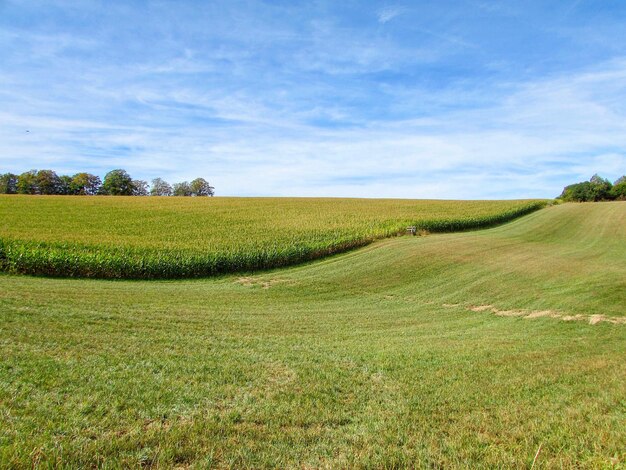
x=146 y=238
x=369 y=359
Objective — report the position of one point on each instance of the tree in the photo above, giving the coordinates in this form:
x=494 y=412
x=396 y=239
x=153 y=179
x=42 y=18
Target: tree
x=140 y=188
x=65 y=186
x=579 y=192
x=600 y=188
x=618 y=191
x=8 y=183
x=201 y=187
x=48 y=182
x=596 y=189
x=27 y=183
x=117 y=183
x=182 y=189
x=160 y=188
x=85 y=184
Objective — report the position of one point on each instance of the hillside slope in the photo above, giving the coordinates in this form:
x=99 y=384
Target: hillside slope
x=570 y=258
x=411 y=352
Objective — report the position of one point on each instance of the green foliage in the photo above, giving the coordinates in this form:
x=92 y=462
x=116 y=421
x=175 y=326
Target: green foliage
x=85 y=184
x=201 y=187
x=140 y=188
x=618 y=191
x=117 y=183
x=160 y=187
x=600 y=188
x=65 y=186
x=27 y=183
x=8 y=183
x=579 y=192
x=182 y=189
x=48 y=182
x=596 y=189
x=184 y=237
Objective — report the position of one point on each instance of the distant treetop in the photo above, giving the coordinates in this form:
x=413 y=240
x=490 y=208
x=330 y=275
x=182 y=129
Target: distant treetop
x=116 y=183
x=596 y=189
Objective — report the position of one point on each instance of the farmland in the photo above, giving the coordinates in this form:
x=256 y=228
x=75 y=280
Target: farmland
x=457 y=350
x=122 y=237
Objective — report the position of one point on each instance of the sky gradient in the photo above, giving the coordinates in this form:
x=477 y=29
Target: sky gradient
x=449 y=99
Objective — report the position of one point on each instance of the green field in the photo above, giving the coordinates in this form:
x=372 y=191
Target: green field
x=127 y=237
x=462 y=350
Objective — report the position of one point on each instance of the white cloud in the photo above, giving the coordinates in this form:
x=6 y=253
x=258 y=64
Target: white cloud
x=304 y=125
x=388 y=13
x=529 y=145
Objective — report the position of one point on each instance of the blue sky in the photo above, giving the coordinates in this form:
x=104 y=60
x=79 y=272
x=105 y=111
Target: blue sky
x=448 y=99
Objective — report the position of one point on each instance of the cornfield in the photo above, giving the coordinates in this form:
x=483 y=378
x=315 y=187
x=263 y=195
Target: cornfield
x=149 y=238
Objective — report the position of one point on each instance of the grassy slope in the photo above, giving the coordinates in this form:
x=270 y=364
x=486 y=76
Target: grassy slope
x=130 y=237
x=350 y=361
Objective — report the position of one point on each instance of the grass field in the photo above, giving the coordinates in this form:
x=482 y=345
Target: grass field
x=443 y=351
x=129 y=237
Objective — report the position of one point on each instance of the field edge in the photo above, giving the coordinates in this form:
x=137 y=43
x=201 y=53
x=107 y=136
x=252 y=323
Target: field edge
x=84 y=261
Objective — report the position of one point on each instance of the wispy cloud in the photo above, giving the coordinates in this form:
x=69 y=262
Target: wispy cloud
x=388 y=13
x=306 y=101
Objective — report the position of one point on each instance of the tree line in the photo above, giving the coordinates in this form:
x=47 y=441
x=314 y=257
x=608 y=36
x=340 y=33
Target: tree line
x=116 y=183
x=596 y=189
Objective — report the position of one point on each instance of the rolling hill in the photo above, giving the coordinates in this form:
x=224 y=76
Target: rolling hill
x=475 y=349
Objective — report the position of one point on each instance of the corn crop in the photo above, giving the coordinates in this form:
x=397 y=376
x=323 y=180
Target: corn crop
x=161 y=237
